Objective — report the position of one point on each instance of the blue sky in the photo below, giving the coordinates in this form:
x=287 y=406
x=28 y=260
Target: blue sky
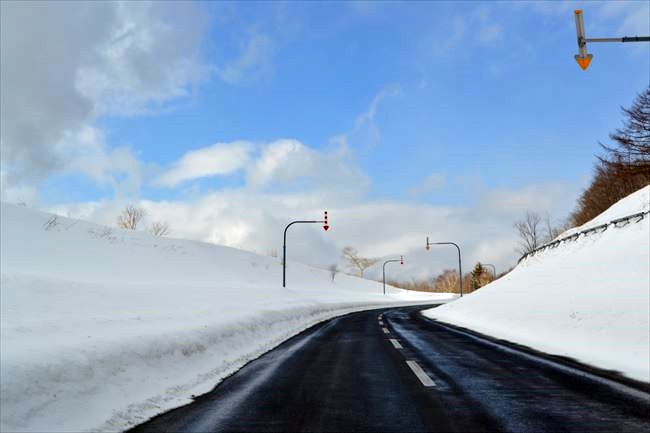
x=508 y=107
x=435 y=104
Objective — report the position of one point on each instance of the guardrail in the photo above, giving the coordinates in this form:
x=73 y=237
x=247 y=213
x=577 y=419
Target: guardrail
x=618 y=222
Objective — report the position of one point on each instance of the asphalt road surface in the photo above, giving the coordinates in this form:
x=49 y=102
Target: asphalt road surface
x=392 y=370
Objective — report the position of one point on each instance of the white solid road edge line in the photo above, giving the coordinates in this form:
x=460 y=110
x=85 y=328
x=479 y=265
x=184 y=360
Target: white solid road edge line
x=396 y=343
x=386 y=331
x=424 y=378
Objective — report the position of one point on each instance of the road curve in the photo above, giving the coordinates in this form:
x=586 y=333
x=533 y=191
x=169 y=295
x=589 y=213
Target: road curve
x=391 y=370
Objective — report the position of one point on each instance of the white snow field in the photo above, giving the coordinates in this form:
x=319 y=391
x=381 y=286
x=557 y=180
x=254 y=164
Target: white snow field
x=588 y=299
x=103 y=328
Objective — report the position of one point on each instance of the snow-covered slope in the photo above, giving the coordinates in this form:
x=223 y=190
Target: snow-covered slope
x=588 y=299
x=102 y=328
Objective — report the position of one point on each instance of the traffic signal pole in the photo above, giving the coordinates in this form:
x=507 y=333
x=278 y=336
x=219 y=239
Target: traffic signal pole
x=583 y=57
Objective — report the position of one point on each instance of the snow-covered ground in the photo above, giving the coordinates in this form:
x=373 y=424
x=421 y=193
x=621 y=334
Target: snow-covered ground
x=103 y=328
x=588 y=299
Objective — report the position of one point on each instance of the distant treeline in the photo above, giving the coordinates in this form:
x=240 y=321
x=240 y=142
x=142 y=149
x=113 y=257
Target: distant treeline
x=447 y=281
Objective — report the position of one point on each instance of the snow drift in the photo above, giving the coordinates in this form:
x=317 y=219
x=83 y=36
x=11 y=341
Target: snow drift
x=103 y=328
x=588 y=299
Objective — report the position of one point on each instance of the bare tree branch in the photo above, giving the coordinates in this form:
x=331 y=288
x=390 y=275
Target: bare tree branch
x=130 y=217
x=530 y=232
x=159 y=228
x=359 y=263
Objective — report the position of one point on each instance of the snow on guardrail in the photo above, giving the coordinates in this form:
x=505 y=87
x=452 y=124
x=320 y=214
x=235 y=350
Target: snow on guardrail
x=618 y=222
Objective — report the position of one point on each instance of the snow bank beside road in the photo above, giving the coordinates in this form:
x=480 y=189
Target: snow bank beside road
x=104 y=328
x=588 y=299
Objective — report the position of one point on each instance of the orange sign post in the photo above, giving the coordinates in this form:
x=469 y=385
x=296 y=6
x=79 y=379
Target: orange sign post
x=583 y=57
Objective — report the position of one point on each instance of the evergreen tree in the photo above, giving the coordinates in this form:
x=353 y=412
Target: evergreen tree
x=477 y=274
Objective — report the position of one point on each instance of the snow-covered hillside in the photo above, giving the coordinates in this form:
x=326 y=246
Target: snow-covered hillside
x=103 y=328
x=588 y=299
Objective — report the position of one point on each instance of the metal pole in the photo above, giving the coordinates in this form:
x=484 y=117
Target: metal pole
x=460 y=269
x=635 y=39
x=580 y=33
x=460 y=263
x=384 y=271
x=623 y=39
x=284 y=248
x=494 y=269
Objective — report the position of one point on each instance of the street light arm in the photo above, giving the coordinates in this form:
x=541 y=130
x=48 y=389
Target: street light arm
x=298 y=222
x=623 y=39
x=384 y=271
x=284 y=247
x=460 y=262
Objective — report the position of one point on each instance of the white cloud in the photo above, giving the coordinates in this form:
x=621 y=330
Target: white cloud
x=368 y=116
x=365 y=131
x=87 y=153
x=217 y=159
x=481 y=26
x=80 y=60
x=254 y=60
x=633 y=17
x=625 y=17
x=254 y=220
x=289 y=162
x=152 y=56
x=432 y=183
x=550 y=197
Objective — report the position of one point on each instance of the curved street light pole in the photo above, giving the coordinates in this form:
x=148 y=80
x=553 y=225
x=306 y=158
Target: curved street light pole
x=284 y=247
x=460 y=263
x=401 y=260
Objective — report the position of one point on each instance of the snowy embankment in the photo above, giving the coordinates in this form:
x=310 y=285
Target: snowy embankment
x=587 y=299
x=103 y=328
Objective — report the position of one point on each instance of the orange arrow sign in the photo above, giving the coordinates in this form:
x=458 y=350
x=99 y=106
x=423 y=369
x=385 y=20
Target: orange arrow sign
x=584 y=62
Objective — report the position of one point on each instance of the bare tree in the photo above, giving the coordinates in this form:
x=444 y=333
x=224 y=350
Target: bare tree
x=551 y=231
x=51 y=223
x=530 y=232
x=625 y=167
x=334 y=269
x=357 y=262
x=447 y=281
x=631 y=150
x=159 y=228
x=130 y=217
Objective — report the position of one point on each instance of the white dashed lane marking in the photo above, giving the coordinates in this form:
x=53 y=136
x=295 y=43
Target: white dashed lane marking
x=396 y=344
x=424 y=378
x=386 y=331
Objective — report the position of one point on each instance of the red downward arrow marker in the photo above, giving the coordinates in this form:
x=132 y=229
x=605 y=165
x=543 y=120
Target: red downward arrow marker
x=326 y=228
